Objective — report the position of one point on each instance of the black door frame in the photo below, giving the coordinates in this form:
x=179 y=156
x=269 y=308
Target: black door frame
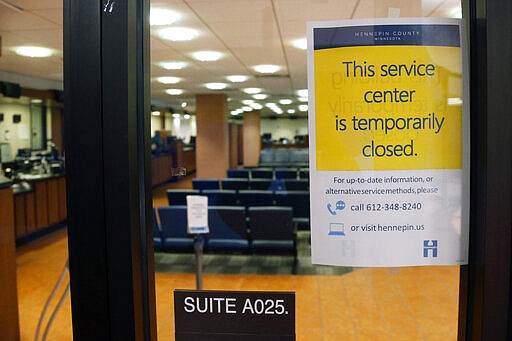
x=485 y=293
x=106 y=53
x=107 y=132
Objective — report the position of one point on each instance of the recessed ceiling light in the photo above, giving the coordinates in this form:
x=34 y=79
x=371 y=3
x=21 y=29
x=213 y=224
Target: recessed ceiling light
x=260 y=96
x=252 y=91
x=301 y=44
x=169 y=80
x=256 y=106
x=174 y=92
x=302 y=99
x=267 y=68
x=291 y=111
x=277 y=110
x=176 y=115
x=248 y=101
x=285 y=101
x=215 y=86
x=33 y=51
x=186 y=116
x=302 y=93
x=36 y=100
x=184 y=104
x=237 y=78
x=207 y=56
x=235 y=112
x=247 y=108
x=303 y=107
x=155 y=113
x=173 y=65
x=178 y=33
x=160 y=16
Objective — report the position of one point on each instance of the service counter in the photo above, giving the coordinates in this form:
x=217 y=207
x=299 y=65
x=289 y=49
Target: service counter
x=39 y=203
x=165 y=165
x=161 y=168
x=9 y=325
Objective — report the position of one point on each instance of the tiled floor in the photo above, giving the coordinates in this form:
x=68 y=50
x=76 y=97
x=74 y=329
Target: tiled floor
x=415 y=303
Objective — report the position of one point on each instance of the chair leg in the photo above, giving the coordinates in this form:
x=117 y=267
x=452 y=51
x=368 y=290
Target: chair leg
x=295 y=258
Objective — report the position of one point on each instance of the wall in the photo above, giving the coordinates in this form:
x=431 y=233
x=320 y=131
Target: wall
x=16 y=134
x=283 y=127
x=179 y=127
x=156 y=124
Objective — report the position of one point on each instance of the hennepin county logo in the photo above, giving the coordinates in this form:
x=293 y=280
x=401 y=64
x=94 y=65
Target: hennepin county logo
x=430 y=248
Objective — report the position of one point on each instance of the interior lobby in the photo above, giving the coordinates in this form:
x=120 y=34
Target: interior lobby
x=223 y=86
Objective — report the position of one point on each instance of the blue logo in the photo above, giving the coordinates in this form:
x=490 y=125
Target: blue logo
x=430 y=248
x=340 y=206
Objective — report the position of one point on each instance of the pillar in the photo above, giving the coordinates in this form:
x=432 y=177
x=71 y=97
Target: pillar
x=252 y=138
x=212 y=153
x=233 y=145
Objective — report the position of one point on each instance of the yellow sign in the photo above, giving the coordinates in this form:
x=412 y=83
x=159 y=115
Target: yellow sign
x=388 y=108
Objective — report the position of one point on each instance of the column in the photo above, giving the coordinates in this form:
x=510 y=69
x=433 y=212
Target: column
x=252 y=138
x=9 y=326
x=212 y=153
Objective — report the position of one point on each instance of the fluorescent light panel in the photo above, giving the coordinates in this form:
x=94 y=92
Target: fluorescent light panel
x=33 y=51
x=178 y=33
x=207 y=56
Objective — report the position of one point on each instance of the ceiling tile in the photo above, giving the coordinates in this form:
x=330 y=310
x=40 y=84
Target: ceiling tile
x=13 y=21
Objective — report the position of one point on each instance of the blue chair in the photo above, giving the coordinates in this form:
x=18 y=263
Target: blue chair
x=299 y=156
x=235 y=184
x=238 y=173
x=272 y=230
x=179 y=196
x=267 y=157
x=173 y=220
x=202 y=184
x=304 y=173
x=228 y=229
x=262 y=173
x=157 y=233
x=267 y=184
x=296 y=185
x=221 y=197
x=286 y=173
x=299 y=202
x=282 y=157
x=255 y=198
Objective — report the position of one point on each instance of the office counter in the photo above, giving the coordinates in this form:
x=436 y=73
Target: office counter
x=163 y=164
x=40 y=205
x=9 y=326
x=161 y=168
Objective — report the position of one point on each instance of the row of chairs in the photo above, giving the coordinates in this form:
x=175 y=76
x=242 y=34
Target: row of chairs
x=284 y=156
x=259 y=184
x=265 y=229
x=297 y=200
x=268 y=173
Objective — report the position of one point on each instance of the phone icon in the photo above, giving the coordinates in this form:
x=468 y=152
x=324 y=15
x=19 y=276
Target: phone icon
x=331 y=211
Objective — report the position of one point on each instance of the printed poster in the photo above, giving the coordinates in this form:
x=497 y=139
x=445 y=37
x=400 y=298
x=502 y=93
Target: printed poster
x=389 y=142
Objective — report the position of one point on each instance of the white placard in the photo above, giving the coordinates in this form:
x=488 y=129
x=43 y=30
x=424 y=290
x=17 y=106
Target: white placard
x=389 y=142
x=197 y=214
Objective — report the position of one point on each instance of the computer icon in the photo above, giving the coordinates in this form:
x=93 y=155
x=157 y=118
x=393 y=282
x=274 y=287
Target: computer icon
x=336 y=229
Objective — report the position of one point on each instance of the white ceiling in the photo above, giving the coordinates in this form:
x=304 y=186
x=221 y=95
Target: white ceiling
x=247 y=32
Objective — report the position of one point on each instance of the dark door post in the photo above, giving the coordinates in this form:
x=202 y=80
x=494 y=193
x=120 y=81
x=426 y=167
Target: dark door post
x=106 y=85
x=485 y=310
